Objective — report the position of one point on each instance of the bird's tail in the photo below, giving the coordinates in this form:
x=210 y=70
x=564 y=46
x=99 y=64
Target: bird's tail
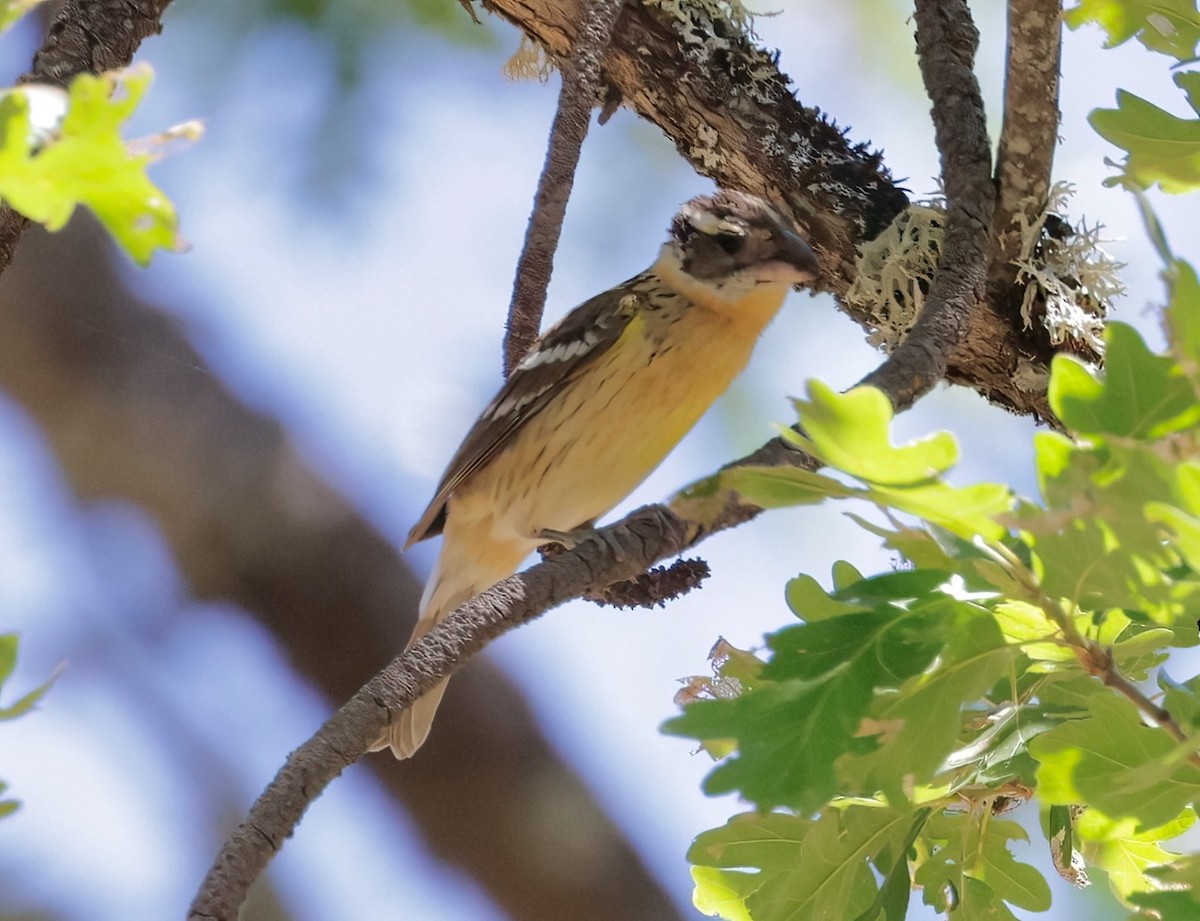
x=461 y=572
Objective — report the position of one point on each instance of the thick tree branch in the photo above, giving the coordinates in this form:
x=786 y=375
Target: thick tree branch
x=732 y=114
x=1029 y=134
x=576 y=98
x=1028 y=138
x=87 y=36
x=946 y=43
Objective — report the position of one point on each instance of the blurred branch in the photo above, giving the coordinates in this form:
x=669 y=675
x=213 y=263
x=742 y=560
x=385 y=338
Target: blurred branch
x=132 y=412
x=87 y=36
x=576 y=98
x=946 y=44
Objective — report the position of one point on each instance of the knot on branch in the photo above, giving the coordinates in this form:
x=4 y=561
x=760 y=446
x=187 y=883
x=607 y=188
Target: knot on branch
x=655 y=587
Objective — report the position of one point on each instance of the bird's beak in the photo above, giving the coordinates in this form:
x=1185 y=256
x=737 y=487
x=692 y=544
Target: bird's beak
x=795 y=262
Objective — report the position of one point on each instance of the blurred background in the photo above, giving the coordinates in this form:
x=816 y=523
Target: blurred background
x=206 y=468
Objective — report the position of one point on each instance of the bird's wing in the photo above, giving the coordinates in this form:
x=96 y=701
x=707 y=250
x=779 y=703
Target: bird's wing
x=557 y=358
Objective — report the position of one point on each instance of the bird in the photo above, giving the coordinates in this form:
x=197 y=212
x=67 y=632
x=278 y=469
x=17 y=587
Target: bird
x=597 y=403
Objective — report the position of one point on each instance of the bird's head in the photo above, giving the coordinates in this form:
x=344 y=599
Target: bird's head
x=734 y=242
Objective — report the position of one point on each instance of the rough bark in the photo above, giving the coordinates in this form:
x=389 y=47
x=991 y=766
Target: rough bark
x=731 y=112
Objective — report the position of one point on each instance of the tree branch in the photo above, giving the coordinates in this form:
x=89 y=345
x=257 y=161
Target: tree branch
x=576 y=98
x=648 y=534
x=87 y=36
x=946 y=43
x=732 y=114
x=1029 y=134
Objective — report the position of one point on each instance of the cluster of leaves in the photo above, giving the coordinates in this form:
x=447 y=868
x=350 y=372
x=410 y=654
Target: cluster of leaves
x=882 y=738
x=8 y=662
x=1161 y=148
x=62 y=149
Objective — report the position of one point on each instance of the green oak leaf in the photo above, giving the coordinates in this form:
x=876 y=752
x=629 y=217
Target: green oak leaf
x=964 y=511
x=1142 y=395
x=1126 y=855
x=1168 y=26
x=920 y=724
x=970 y=870
x=1112 y=761
x=818 y=686
x=780 y=487
x=88 y=164
x=851 y=432
x=811 y=603
x=800 y=869
x=1162 y=148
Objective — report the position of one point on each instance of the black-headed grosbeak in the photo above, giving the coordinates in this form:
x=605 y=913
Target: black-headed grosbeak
x=600 y=400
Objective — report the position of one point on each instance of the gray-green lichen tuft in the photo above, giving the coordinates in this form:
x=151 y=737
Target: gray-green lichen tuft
x=894 y=272
x=1070 y=281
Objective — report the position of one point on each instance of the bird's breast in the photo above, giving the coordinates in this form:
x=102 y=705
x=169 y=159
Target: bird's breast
x=609 y=428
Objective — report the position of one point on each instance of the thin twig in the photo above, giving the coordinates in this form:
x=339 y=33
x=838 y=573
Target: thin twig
x=576 y=99
x=1097 y=660
x=946 y=43
x=84 y=38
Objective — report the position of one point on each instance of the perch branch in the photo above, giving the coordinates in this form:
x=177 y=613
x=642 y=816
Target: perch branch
x=576 y=98
x=618 y=552
x=649 y=534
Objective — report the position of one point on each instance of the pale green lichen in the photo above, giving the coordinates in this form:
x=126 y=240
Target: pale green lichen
x=894 y=270
x=529 y=62
x=731 y=11
x=1069 y=272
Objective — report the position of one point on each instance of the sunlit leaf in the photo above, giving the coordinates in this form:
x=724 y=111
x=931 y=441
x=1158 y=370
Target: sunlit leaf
x=1141 y=395
x=1114 y=762
x=88 y=164
x=972 y=861
x=1168 y=26
x=806 y=869
x=1162 y=148
x=851 y=432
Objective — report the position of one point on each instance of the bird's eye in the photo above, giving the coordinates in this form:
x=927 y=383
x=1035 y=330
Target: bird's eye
x=730 y=242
